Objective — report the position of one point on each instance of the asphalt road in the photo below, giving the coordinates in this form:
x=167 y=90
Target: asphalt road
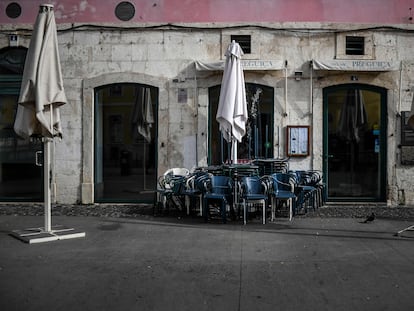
x=150 y=263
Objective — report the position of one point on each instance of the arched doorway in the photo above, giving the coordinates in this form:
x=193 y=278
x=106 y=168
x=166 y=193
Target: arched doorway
x=20 y=178
x=258 y=141
x=355 y=127
x=125 y=142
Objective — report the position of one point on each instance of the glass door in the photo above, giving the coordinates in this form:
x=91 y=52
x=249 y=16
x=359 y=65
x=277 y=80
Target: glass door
x=20 y=178
x=354 y=142
x=258 y=141
x=125 y=143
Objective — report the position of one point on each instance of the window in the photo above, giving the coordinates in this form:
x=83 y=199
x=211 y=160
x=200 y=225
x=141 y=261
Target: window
x=355 y=45
x=245 y=42
x=258 y=142
x=125 y=11
x=13 y=10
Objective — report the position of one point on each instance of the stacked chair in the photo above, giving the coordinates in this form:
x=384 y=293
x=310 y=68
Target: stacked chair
x=253 y=190
x=282 y=192
x=194 y=190
x=170 y=189
x=232 y=188
x=309 y=189
x=218 y=196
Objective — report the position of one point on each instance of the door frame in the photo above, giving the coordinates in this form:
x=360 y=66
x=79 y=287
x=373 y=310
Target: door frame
x=98 y=162
x=10 y=85
x=88 y=103
x=212 y=119
x=382 y=138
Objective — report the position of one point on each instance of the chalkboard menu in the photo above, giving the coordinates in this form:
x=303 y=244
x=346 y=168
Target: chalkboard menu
x=407 y=133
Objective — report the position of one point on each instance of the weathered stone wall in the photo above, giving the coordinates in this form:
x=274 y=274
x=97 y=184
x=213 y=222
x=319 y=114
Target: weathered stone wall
x=164 y=58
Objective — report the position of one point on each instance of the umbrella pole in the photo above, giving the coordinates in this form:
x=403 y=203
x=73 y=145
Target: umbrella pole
x=47 y=176
x=46 y=185
x=234 y=150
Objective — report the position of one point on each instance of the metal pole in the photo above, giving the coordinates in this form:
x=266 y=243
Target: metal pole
x=47 y=176
x=46 y=184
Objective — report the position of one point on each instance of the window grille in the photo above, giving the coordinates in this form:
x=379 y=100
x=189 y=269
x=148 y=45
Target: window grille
x=355 y=45
x=245 y=42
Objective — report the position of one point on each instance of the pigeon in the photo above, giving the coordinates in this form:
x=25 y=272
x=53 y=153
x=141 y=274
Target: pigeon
x=370 y=218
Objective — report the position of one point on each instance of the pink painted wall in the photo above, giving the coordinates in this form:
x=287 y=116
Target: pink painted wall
x=190 y=11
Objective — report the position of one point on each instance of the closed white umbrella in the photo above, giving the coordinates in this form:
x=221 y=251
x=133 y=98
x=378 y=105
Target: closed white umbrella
x=38 y=116
x=41 y=91
x=232 y=109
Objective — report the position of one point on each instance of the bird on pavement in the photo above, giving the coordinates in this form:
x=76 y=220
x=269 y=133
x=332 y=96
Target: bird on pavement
x=370 y=218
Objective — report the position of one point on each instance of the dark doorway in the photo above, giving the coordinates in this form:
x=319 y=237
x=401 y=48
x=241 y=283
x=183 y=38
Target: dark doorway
x=125 y=143
x=20 y=178
x=258 y=141
x=355 y=142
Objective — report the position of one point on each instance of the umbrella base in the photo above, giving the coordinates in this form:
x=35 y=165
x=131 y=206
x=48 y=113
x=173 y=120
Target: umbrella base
x=39 y=235
x=406 y=231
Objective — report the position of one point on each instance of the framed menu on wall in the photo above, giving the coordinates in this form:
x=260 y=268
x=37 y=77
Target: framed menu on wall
x=297 y=140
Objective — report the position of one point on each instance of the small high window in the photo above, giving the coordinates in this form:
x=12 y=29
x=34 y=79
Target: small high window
x=13 y=10
x=355 y=45
x=125 y=11
x=245 y=42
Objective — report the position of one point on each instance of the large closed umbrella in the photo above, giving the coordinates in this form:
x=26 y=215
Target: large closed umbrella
x=38 y=116
x=232 y=109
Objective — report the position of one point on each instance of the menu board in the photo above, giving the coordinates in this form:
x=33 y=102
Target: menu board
x=407 y=133
x=297 y=141
x=407 y=140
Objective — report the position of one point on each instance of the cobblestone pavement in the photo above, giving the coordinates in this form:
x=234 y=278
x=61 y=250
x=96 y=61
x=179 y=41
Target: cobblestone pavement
x=134 y=210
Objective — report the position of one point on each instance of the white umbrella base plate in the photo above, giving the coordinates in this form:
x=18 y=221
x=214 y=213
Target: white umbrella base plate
x=407 y=232
x=39 y=235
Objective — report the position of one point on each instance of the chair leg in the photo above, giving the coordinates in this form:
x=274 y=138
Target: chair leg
x=264 y=212
x=272 y=208
x=205 y=210
x=244 y=212
x=200 y=203
x=223 y=211
x=290 y=209
x=188 y=204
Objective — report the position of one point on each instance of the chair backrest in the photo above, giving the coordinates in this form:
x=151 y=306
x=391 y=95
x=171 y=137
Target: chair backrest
x=196 y=180
x=252 y=185
x=220 y=184
x=309 y=178
x=174 y=179
x=177 y=171
x=283 y=181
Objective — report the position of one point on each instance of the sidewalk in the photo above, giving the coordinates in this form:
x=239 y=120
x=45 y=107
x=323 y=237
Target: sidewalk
x=165 y=263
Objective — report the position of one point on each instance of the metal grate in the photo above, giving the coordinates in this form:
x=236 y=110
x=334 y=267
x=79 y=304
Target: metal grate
x=355 y=45
x=13 y=10
x=125 y=11
x=245 y=42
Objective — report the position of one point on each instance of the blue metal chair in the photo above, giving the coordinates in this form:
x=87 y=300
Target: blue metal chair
x=218 y=189
x=283 y=191
x=311 y=189
x=170 y=187
x=253 y=190
x=193 y=191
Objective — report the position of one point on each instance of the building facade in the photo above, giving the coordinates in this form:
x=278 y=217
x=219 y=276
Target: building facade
x=329 y=84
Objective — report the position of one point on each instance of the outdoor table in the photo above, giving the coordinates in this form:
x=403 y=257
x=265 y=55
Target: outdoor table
x=268 y=166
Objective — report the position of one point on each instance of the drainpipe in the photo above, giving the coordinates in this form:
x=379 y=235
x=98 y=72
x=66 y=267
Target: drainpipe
x=400 y=91
x=196 y=114
x=311 y=111
x=285 y=114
